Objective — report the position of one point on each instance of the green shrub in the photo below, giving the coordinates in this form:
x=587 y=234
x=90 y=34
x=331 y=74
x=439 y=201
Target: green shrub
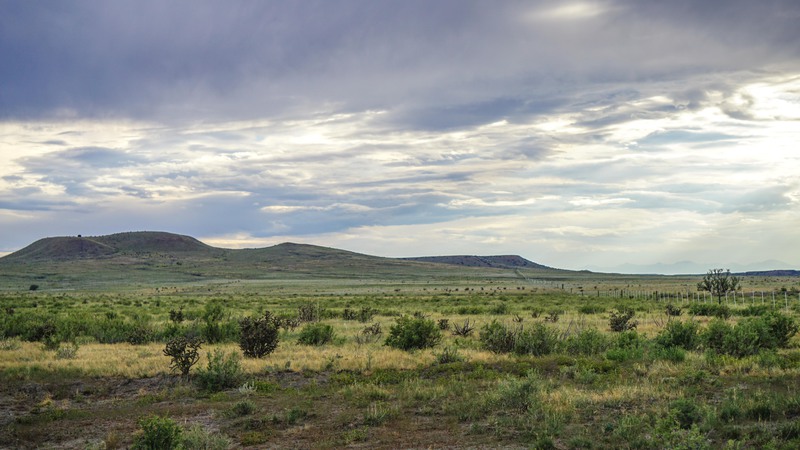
x=242 y=408
x=628 y=345
x=629 y=339
x=710 y=310
x=259 y=337
x=499 y=309
x=409 y=333
x=539 y=340
x=196 y=437
x=222 y=372
x=685 y=413
x=748 y=337
x=781 y=328
x=469 y=310
x=591 y=309
x=679 y=334
x=184 y=353
x=176 y=317
x=139 y=334
x=316 y=334
x=158 y=433
x=497 y=337
x=672 y=310
x=673 y=354
x=716 y=336
x=366 y=314
x=753 y=310
x=621 y=320
x=586 y=342
x=520 y=394
x=751 y=335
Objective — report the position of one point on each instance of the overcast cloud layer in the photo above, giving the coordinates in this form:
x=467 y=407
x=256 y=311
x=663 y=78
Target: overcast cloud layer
x=576 y=134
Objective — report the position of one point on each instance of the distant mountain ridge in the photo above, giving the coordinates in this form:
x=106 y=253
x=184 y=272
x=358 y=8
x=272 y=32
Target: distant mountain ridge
x=499 y=262
x=765 y=268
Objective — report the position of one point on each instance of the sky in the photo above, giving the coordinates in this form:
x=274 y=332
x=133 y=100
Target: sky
x=619 y=134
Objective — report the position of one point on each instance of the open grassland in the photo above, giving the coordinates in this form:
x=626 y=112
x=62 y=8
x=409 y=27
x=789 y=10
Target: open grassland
x=81 y=369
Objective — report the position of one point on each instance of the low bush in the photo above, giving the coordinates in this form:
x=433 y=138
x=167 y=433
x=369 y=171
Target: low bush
x=672 y=310
x=753 y=310
x=538 y=340
x=679 y=334
x=196 y=437
x=222 y=372
x=499 y=309
x=497 y=337
x=316 y=334
x=622 y=320
x=158 y=433
x=781 y=328
x=672 y=354
x=469 y=310
x=591 y=309
x=184 y=353
x=586 y=342
x=242 y=408
x=259 y=337
x=629 y=345
x=710 y=310
x=750 y=336
x=684 y=412
x=410 y=333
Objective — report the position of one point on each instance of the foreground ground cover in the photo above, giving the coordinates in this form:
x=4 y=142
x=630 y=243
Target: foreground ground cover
x=83 y=369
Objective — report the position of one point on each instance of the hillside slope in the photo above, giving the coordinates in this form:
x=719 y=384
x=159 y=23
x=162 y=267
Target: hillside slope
x=158 y=257
x=500 y=262
x=92 y=247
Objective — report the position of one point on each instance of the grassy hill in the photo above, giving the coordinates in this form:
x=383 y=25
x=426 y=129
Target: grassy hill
x=97 y=247
x=157 y=257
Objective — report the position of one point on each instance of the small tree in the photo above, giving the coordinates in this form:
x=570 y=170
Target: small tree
x=719 y=282
x=259 y=337
x=184 y=353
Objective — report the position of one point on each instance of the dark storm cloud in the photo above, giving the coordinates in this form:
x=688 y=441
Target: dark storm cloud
x=186 y=60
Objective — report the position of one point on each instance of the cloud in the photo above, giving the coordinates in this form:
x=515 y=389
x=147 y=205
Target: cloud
x=200 y=60
x=579 y=131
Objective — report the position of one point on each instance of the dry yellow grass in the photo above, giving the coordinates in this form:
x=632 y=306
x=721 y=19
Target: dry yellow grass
x=135 y=361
